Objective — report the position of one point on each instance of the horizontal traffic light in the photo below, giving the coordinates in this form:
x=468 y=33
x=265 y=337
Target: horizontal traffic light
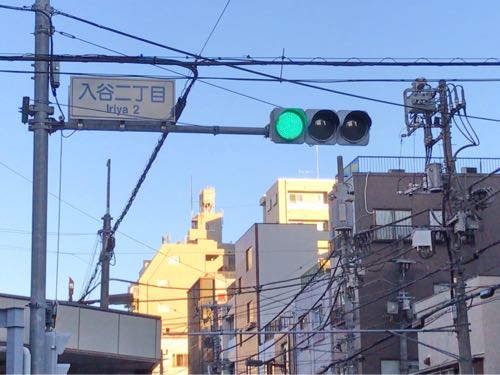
x=319 y=126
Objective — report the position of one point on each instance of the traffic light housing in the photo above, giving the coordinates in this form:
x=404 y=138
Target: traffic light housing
x=319 y=126
x=322 y=127
x=354 y=128
x=287 y=125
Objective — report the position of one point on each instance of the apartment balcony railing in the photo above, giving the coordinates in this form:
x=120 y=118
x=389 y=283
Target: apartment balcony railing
x=383 y=164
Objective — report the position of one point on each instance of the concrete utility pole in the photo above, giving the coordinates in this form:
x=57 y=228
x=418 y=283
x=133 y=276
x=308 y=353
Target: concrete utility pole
x=421 y=100
x=41 y=111
x=405 y=308
x=342 y=223
x=217 y=366
x=107 y=245
x=461 y=321
x=216 y=339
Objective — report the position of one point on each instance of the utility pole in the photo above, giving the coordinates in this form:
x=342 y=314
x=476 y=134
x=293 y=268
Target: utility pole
x=461 y=321
x=420 y=106
x=342 y=223
x=39 y=126
x=405 y=307
x=107 y=245
x=217 y=365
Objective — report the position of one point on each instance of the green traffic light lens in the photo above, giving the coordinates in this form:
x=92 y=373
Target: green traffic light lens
x=290 y=124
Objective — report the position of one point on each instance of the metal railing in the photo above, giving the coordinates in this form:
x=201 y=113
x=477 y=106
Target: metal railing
x=406 y=164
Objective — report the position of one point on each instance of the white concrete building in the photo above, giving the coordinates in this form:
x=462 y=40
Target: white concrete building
x=485 y=331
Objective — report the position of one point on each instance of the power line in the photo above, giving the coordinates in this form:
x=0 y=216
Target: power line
x=181 y=76
x=214 y=27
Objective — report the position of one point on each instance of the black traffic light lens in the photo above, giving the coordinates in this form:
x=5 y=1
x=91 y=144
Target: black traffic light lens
x=323 y=125
x=356 y=125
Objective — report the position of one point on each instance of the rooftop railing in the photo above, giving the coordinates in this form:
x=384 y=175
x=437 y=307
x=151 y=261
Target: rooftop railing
x=405 y=164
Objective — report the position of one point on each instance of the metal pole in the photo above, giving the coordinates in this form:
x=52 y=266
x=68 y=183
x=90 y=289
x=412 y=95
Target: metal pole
x=40 y=168
x=107 y=245
x=349 y=283
x=403 y=317
x=446 y=126
x=13 y=319
x=217 y=365
x=461 y=321
x=403 y=351
x=349 y=290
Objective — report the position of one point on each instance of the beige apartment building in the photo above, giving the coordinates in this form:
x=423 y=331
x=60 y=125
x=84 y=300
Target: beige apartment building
x=298 y=201
x=165 y=280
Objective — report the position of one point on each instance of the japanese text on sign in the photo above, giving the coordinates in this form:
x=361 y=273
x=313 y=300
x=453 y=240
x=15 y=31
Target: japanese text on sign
x=121 y=98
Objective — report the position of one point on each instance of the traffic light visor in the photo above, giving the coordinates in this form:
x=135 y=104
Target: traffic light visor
x=355 y=126
x=290 y=124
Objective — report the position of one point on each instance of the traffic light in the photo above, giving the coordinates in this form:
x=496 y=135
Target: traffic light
x=319 y=126
x=287 y=125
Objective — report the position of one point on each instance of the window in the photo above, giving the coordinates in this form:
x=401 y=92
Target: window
x=249 y=258
x=285 y=321
x=211 y=257
x=174 y=259
x=435 y=218
x=441 y=287
x=249 y=312
x=229 y=262
x=308 y=200
x=304 y=321
x=393 y=232
x=295 y=197
x=268 y=332
x=269 y=368
x=239 y=285
x=322 y=225
x=283 y=352
x=317 y=314
x=180 y=360
x=163 y=308
x=162 y=283
x=393 y=367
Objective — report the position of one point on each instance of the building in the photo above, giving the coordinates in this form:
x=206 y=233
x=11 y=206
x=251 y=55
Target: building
x=165 y=280
x=293 y=235
x=100 y=341
x=393 y=273
x=266 y=255
x=484 y=324
x=390 y=205
x=298 y=201
x=310 y=353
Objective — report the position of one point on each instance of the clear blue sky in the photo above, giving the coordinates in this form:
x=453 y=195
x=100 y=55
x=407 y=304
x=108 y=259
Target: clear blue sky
x=240 y=168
